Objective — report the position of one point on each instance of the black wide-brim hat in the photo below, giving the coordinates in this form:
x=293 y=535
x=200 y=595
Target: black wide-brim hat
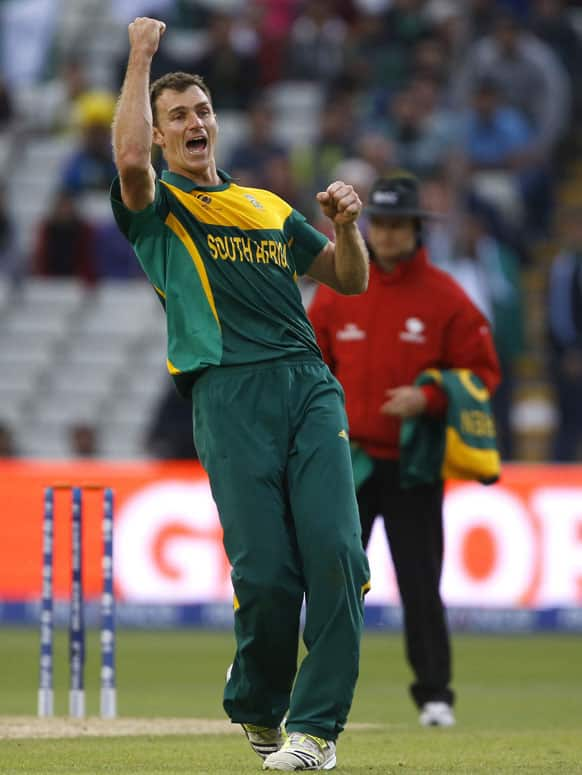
x=397 y=195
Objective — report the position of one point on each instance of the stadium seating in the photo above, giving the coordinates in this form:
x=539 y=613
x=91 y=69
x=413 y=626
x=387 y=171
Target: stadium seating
x=73 y=355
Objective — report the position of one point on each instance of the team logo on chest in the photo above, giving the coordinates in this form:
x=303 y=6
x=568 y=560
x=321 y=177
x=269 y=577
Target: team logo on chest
x=414 y=331
x=253 y=201
x=350 y=333
x=206 y=201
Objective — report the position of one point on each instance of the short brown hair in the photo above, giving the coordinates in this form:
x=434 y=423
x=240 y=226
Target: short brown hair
x=175 y=82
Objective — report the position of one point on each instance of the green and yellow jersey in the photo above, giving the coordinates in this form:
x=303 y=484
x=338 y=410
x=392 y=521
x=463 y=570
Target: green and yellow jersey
x=224 y=261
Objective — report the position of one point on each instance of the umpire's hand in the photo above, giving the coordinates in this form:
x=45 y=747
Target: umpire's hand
x=340 y=203
x=406 y=401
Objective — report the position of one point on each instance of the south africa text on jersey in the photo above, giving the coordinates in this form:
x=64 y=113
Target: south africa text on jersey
x=246 y=249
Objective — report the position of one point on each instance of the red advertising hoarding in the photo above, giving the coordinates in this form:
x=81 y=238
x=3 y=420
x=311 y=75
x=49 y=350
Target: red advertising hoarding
x=515 y=544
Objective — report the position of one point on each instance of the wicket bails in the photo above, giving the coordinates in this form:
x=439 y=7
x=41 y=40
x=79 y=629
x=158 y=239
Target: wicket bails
x=108 y=694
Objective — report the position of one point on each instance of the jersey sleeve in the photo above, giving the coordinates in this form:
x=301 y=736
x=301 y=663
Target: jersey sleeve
x=145 y=230
x=469 y=345
x=305 y=241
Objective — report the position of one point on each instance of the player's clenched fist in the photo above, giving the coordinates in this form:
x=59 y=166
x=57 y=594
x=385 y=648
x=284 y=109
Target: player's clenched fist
x=145 y=34
x=340 y=202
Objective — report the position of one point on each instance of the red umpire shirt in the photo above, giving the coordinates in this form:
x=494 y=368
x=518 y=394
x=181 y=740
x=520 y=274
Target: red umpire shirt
x=413 y=318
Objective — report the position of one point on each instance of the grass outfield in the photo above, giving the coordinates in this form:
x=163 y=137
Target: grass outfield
x=519 y=710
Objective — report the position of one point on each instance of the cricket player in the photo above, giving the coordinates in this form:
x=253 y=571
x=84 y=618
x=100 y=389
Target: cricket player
x=269 y=419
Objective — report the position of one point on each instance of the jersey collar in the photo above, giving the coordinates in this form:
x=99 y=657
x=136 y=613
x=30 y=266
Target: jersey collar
x=404 y=268
x=187 y=185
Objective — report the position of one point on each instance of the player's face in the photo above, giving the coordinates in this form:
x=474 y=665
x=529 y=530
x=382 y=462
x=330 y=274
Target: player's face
x=186 y=131
x=391 y=238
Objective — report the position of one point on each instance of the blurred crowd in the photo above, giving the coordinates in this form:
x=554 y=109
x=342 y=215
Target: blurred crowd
x=481 y=99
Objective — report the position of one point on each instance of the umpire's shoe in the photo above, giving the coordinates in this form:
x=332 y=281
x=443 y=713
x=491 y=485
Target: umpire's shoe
x=436 y=714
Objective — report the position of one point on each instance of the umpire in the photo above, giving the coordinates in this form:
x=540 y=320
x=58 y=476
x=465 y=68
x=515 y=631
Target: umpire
x=413 y=317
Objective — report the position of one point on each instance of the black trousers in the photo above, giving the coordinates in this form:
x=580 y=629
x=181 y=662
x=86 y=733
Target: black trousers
x=569 y=431
x=413 y=520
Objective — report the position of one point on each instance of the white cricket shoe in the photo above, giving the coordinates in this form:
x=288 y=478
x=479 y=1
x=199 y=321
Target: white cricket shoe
x=303 y=752
x=264 y=740
x=436 y=714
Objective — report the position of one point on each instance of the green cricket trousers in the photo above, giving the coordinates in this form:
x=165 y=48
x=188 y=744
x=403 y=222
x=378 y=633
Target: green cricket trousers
x=273 y=439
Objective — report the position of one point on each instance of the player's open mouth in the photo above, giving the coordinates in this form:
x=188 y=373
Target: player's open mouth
x=197 y=144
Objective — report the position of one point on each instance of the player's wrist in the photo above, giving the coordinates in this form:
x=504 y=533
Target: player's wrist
x=345 y=227
x=140 y=56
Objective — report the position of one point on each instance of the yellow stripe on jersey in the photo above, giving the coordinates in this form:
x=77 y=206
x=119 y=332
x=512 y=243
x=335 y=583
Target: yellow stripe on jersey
x=242 y=208
x=174 y=224
x=169 y=365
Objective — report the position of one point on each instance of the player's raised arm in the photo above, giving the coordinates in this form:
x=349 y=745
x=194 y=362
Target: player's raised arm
x=343 y=264
x=133 y=122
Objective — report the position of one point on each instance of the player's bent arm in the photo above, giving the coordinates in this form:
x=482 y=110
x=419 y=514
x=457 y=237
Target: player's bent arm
x=138 y=187
x=132 y=135
x=343 y=265
x=133 y=122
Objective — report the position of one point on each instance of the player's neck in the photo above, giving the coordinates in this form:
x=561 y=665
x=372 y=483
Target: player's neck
x=207 y=177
